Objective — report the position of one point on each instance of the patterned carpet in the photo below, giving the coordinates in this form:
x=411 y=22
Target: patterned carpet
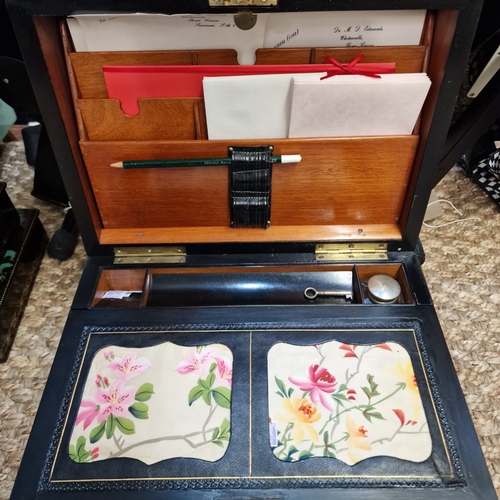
x=462 y=271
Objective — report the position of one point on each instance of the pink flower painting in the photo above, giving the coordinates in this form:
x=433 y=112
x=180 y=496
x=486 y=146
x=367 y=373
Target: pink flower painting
x=115 y=400
x=155 y=403
x=196 y=360
x=320 y=382
x=224 y=372
x=129 y=365
x=89 y=410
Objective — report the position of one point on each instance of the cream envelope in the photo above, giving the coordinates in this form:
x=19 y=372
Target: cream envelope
x=98 y=32
x=354 y=105
x=248 y=107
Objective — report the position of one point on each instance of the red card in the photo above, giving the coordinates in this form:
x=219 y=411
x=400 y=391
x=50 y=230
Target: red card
x=130 y=83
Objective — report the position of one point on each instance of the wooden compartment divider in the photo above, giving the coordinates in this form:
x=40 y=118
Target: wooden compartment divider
x=158 y=119
x=408 y=59
x=90 y=78
x=120 y=280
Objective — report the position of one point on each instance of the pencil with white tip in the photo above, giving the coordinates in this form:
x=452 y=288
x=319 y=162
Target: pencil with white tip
x=195 y=162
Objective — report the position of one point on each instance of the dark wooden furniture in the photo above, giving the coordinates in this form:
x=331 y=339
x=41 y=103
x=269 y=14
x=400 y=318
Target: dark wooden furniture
x=22 y=245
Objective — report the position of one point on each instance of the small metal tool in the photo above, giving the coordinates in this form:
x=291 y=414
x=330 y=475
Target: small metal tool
x=311 y=293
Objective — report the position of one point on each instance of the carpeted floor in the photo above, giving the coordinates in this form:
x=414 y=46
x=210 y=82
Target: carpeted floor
x=462 y=271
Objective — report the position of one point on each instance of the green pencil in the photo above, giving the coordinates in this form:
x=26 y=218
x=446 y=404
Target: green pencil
x=195 y=162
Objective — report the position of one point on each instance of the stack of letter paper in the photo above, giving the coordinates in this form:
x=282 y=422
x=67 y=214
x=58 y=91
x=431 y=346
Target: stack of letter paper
x=354 y=105
x=258 y=106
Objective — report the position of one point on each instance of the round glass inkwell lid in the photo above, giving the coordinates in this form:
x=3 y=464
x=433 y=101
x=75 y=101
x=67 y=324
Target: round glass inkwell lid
x=383 y=289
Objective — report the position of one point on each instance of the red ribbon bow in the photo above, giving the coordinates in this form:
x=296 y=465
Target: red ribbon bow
x=349 y=69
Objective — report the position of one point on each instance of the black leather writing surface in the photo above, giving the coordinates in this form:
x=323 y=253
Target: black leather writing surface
x=249 y=462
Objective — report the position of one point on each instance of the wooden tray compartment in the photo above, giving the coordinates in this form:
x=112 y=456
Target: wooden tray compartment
x=89 y=76
x=158 y=119
x=140 y=280
x=396 y=271
x=120 y=280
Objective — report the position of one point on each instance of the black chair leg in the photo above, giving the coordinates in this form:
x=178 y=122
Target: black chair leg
x=62 y=244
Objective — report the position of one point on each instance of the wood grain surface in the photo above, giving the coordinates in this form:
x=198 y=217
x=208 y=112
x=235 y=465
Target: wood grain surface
x=90 y=77
x=351 y=182
x=408 y=58
x=158 y=119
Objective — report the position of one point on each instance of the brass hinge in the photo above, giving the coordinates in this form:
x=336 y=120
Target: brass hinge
x=150 y=255
x=351 y=251
x=242 y=3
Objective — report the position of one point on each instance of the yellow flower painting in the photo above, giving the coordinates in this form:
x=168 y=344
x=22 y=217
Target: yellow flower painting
x=302 y=414
x=358 y=440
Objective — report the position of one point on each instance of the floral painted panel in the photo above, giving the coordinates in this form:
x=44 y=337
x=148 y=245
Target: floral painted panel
x=155 y=403
x=345 y=401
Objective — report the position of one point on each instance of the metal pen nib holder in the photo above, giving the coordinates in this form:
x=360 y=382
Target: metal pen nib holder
x=250 y=174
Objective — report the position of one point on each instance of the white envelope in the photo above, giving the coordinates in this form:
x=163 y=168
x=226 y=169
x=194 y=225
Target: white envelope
x=354 y=105
x=98 y=32
x=248 y=107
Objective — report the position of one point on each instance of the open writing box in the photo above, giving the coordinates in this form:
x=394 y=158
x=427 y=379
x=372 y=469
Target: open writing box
x=192 y=364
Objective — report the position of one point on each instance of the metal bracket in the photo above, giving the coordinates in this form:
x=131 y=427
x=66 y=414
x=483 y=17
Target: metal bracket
x=150 y=255
x=351 y=251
